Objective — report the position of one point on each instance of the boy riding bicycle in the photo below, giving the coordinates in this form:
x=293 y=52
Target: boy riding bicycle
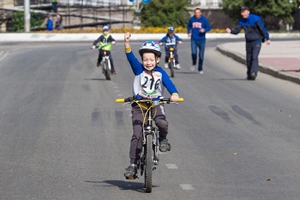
x=106 y=40
x=171 y=40
x=149 y=83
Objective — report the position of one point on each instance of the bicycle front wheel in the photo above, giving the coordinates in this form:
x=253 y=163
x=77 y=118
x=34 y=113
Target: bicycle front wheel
x=148 y=164
x=171 y=66
x=107 y=71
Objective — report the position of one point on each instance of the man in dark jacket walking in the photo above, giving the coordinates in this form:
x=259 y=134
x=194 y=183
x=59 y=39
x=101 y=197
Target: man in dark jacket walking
x=255 y=34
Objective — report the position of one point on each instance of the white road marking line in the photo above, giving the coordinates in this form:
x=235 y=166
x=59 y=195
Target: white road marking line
x=187 y=187
x=3 y=55
x=171 y=166
x=128 y=109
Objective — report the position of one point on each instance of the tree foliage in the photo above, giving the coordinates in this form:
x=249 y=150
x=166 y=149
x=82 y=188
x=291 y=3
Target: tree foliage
x=162 y=13
x=281 y=9
x=18 y=20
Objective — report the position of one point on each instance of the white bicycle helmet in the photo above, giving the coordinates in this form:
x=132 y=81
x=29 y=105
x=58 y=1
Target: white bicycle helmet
x=150 y=46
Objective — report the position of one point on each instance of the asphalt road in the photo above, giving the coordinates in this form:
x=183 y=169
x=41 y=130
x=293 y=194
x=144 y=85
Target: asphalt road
x=62 y=136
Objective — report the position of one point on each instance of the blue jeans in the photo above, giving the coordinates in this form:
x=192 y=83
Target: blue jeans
x=201 y=45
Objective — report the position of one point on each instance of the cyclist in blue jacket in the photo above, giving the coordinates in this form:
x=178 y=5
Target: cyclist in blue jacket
x=171 y=40
x=149 y=83
x=255 y=34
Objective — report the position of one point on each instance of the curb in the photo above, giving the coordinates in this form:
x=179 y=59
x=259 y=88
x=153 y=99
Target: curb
x=81 y=37
x=262 y=68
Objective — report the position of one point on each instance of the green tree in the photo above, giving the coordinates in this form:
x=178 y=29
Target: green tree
x=283 y=10
x=162 y=13
x=18 y=20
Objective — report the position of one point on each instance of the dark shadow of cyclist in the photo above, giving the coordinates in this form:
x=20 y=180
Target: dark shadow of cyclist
x=122 y=185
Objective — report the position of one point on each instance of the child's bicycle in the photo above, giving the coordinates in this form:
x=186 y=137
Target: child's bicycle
x=171 y=62
x=148 y=159
x=106 y=65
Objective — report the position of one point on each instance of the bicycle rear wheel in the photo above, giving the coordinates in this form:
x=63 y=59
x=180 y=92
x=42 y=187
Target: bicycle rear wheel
x=107 y=71
x=171 y=66
x=148 y=164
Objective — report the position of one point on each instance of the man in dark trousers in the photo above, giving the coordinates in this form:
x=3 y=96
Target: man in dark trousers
x=255 y=34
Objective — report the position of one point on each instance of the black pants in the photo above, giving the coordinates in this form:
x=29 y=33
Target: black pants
x=252 y=52
x=168 y=56
x=100 y=56
x=54 y=7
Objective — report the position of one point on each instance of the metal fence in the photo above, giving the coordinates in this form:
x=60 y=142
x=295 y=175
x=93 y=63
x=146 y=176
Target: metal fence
x=76 y=2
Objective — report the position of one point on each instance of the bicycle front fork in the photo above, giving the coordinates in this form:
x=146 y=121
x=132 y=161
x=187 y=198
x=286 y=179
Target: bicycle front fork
x=155 y=143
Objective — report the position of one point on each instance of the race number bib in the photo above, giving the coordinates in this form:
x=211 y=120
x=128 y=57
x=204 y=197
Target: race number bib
x=150 y=85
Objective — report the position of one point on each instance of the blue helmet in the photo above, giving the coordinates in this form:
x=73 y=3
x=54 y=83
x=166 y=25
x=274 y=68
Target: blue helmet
x=150 y=46
x=105 y=28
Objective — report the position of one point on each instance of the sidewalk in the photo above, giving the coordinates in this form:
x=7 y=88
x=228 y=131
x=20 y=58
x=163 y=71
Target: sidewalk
x=280 y=59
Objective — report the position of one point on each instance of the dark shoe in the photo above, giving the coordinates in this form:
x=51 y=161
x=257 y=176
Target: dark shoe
x=130 y=172
x=164 y=146
x=253 y=76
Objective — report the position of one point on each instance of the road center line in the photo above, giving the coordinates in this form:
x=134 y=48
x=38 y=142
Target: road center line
x=171 y=166
x=187 y=187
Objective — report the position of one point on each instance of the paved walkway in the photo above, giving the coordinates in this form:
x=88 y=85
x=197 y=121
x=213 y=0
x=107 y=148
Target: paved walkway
x=280 y=59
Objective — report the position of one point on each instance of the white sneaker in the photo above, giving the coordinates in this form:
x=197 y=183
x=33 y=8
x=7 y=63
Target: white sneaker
x=178 y=66
x=193 y=67
x=201 y=72
x=166 y=65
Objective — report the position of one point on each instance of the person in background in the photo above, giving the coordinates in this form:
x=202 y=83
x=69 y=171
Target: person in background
x=58 y=22
x=54 y=5
x=197 y=28
x=171 y=40
x=255 y=34
x=49 y=23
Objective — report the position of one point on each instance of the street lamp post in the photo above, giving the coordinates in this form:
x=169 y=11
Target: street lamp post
x=138 y=11
x=27 y=15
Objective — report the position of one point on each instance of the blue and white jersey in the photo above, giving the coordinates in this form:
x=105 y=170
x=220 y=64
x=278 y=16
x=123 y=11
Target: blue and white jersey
x=149 y=85
x=170 y=42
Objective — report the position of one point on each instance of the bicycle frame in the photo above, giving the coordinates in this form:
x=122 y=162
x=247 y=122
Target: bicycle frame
x=148 y=128
x=171 y=61
x=106 y=58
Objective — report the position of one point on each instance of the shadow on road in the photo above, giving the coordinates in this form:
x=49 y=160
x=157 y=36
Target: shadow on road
x=122 y=185
x=95 y=79
x=231 y=79
x=177 y=72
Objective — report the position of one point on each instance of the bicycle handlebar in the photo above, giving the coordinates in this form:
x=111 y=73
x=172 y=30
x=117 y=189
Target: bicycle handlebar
x=132 y=99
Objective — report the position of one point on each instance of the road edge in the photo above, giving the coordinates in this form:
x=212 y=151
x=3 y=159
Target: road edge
x=262 y=68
